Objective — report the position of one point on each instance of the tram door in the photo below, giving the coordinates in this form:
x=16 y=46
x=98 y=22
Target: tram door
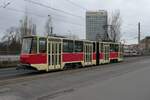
x=120 y=55
x=88 y=53
x=106 y=53
x=119 y=52
x=54 y=54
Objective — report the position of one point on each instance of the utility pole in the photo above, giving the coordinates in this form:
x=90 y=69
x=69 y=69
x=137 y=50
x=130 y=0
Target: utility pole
x=139 y=32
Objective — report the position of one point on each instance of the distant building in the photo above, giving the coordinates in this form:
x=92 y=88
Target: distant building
x=96 y=22
x=131 y=50
x=145 y=45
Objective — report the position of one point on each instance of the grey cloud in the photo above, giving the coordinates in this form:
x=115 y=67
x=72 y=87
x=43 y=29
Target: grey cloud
x=132 y=11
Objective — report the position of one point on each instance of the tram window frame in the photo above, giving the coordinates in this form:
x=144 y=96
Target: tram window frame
x=42 y=49
x=68 y=46
x=33 y=44
x=78 y=46
x=114 y=47
x=26 y=45
x=101 y=47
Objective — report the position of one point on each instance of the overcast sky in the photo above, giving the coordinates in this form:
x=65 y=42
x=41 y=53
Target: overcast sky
x=132 y=11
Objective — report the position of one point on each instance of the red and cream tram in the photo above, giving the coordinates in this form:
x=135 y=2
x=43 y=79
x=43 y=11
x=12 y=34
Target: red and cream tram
x=53 y=53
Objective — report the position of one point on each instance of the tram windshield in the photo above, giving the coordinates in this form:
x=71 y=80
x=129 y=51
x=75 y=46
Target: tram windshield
x=29 y=45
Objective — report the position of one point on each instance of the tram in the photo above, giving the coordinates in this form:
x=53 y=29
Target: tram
x=54 y=53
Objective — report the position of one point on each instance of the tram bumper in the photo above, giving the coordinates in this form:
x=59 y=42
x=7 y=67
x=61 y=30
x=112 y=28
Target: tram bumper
x=24 y=67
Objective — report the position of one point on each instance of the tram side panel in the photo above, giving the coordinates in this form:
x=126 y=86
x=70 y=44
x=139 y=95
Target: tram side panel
x=72 y=52
x=114 y=51
x=113 y=56
x=41 y=54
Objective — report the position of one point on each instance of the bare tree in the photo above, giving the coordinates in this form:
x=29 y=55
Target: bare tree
x=27 y=28
x=11 y=40
x=12 y=35
x=115 y=26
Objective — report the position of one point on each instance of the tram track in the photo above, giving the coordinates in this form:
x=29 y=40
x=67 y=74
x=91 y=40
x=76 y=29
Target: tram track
x=12 y=76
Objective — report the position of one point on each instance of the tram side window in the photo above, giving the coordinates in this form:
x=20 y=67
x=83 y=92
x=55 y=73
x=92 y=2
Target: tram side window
x=42 y=46
x=78 y=46
x=121 y=48
x=34 y=46
x=67 y=46
x=114 y=47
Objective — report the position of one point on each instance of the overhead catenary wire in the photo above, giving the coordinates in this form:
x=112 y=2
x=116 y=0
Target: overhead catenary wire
x=60 y=15
x=42 y=16
x=77 y=5
x=30 y=0
x=6 y=4
x=54 y=9
x=21 y=11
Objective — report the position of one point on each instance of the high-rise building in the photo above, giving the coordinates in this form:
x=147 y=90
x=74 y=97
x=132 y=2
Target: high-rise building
x=96 y=25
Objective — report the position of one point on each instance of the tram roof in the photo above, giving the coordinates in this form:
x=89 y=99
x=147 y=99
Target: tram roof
x=65 y=38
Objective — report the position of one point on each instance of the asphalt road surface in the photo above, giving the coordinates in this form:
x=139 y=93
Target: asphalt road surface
x=128 y=80
x=8 y=73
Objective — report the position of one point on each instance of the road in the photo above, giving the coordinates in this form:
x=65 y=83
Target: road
x=9 y=73
x=128 y=80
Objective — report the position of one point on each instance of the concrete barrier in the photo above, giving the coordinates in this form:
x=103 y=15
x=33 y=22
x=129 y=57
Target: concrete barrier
x=9 y=58
x=9 y=61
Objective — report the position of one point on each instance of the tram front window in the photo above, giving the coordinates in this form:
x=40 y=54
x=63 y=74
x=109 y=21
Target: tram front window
x=26 y=46
x=29 y=45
